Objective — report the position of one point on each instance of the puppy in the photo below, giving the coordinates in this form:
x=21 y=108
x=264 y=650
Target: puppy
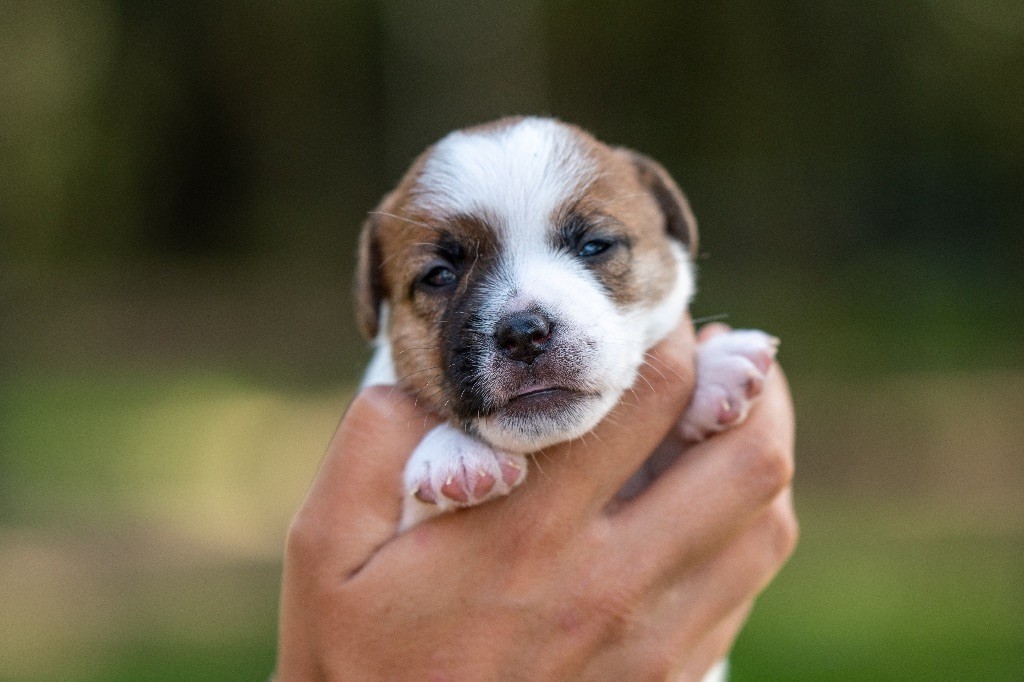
x=512 y=282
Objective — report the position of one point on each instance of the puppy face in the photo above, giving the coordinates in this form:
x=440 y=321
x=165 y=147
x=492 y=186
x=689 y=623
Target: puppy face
x=518 y=274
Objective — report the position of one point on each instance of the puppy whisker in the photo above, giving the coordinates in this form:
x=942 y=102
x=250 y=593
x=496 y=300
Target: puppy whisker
x=405 y=377
x=406 y=220
x=720 y=317
x=407 y=350
x=648 y=381
x=650 y=360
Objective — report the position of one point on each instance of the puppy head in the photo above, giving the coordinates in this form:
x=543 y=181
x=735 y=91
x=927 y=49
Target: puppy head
x=519 y=272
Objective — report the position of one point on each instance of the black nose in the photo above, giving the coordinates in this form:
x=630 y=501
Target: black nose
x=523 y=336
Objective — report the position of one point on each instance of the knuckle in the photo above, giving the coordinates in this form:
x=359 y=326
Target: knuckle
x=608 y=602
x=305 y=539
x=784 y=532
x=614 y=607
x=544 y=534
x=767 y=467
x=666 y=659
x=308 y=546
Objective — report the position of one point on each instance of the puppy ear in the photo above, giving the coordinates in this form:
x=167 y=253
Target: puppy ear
x=679 y=220
x=370 y=290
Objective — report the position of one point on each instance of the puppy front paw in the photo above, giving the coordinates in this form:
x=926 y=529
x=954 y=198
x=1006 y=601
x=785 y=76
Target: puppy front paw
x=731 y=369
x=450 y=469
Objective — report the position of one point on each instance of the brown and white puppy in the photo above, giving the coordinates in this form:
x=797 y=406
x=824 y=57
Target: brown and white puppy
x=512 y=282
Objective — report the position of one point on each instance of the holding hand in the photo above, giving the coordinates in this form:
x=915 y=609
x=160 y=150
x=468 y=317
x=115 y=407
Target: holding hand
x=559 y=580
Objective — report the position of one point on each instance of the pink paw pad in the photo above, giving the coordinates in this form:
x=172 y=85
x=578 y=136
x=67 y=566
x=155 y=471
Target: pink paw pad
x=423 y=493
x=731 y=370
x=755 y=384
x=450 y=469
x=511 y=473
x=467 y=485
x=727 y=412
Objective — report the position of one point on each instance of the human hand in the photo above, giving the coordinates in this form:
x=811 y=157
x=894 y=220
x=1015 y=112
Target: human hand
x=551 y=582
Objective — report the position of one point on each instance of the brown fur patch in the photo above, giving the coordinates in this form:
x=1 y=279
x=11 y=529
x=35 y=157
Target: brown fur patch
x=398 y=244
x=620 y=203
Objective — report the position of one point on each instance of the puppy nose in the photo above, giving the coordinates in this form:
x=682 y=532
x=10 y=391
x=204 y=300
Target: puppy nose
x=523 y=336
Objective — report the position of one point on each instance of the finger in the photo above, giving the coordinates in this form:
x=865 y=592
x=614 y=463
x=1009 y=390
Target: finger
x=583 y=474
x=355 y=501
x=694 y=623
x=741 y=570
x=715 y=489
x=713 y=649
x=711 y=330
x=691 y=620
x=653 y=648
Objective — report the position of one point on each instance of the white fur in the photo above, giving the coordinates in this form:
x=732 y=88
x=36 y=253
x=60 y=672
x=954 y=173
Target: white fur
x=381 y=370
x=517 y=175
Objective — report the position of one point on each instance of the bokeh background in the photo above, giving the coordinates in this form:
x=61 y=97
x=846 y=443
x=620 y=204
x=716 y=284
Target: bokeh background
x=181 y=185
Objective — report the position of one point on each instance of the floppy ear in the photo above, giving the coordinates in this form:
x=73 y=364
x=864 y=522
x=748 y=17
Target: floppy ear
x=679 y=220
x=370 y=290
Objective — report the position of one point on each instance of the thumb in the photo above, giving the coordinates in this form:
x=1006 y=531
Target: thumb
x=354 y=504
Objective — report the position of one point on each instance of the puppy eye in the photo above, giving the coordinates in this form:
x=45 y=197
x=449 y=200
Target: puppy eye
x=439 y=277
x=594 y=247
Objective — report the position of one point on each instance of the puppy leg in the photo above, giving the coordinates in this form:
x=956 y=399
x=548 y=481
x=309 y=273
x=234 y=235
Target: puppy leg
x=450 y=469
x=730 y=375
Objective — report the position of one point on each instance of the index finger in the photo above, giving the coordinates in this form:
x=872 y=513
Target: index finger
x=585 y=473
x=717 y=488
x=354 y=503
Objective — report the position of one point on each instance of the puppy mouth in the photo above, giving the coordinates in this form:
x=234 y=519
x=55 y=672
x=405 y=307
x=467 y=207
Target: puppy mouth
x=542 y=399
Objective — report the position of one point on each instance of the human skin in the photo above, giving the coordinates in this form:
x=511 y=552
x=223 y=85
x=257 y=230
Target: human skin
x=559 y=580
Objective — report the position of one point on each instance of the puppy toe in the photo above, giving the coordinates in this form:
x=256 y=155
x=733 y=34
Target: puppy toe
x=728 y=412
x=754 y=386
x=513 y=469
x=756 y=346
x=481 y=484
x=454 y=488
x=731 y=372
x=423 y=493
x=450 y=469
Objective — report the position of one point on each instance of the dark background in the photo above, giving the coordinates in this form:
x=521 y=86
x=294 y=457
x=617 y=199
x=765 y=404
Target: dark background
x=181 y=186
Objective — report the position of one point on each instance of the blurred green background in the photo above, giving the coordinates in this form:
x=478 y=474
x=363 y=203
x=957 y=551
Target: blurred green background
x=181 y=185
